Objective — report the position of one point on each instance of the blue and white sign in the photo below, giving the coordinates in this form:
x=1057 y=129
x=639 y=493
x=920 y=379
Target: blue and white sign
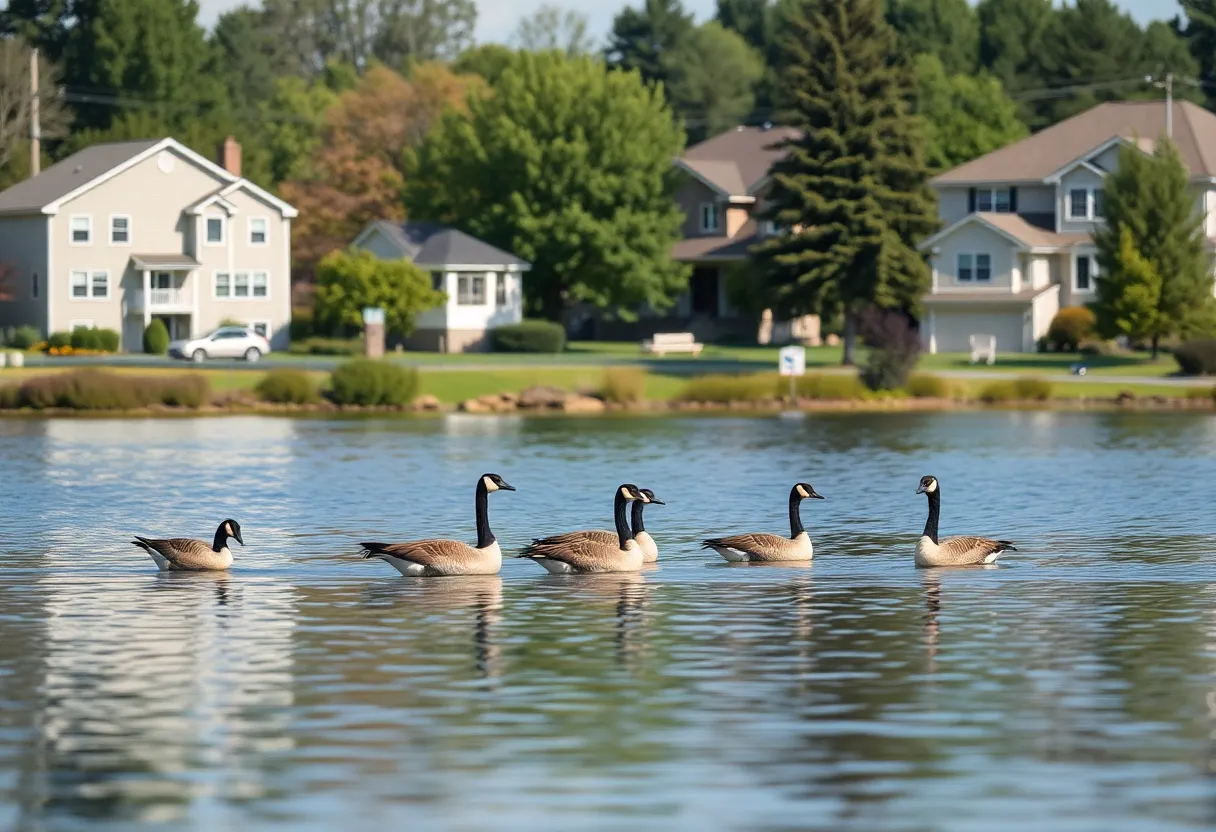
x=792 y=361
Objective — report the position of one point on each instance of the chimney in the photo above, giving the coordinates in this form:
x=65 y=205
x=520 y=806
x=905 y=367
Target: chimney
x=230 y=156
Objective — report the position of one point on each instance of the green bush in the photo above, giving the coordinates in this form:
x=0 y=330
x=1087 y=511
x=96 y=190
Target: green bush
x=1070 y=327
x=93 y=389
x=59 y=340
x=156 y=338
x=997 y=391
x=529 y=336
x=1019 y=389
x=923 y=386
x=108 y=339
x=1197 y=357
x=301 y=325
x=327 y=346
x=624 y=385
x=721 y=388
x=287 y=386
x=84 y=338
x=367 y=381
x=24 y=337
x=835 y=387
x=894 y=348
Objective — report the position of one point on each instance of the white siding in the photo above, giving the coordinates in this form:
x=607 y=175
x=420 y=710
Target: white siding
x=1080 y=177
x=975 y=238
x=952 y=204
x=952 y=328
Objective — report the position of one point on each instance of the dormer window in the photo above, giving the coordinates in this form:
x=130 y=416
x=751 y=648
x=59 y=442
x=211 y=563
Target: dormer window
x=215 y=231
x=709 y=216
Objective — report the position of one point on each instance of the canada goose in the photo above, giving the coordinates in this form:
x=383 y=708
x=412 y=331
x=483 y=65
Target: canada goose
x=955 y=551
x=762 y=547
x=584 y=554
x=650 y=551
x=186 y=553
x=448 y=557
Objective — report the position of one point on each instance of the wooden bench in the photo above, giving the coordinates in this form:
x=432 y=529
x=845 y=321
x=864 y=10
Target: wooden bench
x=665 y=342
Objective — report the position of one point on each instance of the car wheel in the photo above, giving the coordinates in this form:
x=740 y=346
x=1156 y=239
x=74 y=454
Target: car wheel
x=198 y=356
x=252 y=354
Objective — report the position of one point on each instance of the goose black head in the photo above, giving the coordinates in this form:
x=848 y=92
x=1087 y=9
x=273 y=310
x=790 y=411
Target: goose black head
x=650 y=498
x=232 y=529
x=493 y=482
x=631 y=492
x=927 y=485
x=807 y=492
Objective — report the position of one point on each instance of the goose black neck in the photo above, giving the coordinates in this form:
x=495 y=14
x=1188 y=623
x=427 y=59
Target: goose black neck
x=935 y=509
x=221 y=539
x=795 y=517
x=622 y=522
x=484 y=536
x=637 y=517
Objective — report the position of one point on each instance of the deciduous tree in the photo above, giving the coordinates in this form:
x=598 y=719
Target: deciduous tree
x=852 y=186
x=568 y=165
x=15 y=102
x=551 y=27
x=348 y=281
x=711 y=78
x=965 y=115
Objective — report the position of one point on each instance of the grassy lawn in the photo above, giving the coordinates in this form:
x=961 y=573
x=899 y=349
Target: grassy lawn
x=1132 y=364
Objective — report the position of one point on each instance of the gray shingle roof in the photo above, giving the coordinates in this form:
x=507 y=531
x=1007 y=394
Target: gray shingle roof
x=737 y=159
x=433 y=244
x=61 y=178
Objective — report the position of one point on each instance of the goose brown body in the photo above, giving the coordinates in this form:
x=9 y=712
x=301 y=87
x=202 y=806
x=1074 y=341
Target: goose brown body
x=763 y=547
x=586 y=552
x=963 y=550
x=438 y=557
x=184 y=554
x=650 y=550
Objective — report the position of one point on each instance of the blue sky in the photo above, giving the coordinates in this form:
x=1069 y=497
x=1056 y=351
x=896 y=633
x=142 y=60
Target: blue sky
x=496 y=18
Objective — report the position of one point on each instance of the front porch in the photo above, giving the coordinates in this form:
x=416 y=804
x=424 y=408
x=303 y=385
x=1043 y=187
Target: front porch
x=165 y=287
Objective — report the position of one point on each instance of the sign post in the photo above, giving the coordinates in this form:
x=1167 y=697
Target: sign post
x=791 y=362
x=373 y=331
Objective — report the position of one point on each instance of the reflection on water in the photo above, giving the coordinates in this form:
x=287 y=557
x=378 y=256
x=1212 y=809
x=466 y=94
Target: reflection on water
x=1074 y=687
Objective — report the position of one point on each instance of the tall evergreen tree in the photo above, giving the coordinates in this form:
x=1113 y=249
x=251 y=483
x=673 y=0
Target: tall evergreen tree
x=1156 y=271
x=948 y=29
x=1200 y=34
x=1011 y=40
x=852 y=188
x=640 y=38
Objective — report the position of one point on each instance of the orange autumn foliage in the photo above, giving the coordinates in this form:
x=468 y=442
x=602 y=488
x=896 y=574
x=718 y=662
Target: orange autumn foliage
x=356 y=175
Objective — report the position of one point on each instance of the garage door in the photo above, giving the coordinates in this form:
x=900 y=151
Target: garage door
x=955 y=328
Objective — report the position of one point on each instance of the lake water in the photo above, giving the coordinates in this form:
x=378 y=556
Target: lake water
x=1072 y=688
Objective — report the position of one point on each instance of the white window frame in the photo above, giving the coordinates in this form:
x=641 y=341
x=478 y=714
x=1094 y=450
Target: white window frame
x=993 y=195
x=1092 y=274
x=126 y=217
x=470 y=277
x=253 y=282
x=236 y=273
x=93 y=273
x=263 y=322
x=1089 y=204
x=709 y=211
x=223 y=221
x=265 y=221
x=88 y=219
x=215 y=285
x=72 y=284
x=974 y=267
x=90 y=294
x=501 y=298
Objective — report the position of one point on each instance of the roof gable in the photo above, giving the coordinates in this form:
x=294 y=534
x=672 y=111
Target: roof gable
x=734 y=162
x=433 y=244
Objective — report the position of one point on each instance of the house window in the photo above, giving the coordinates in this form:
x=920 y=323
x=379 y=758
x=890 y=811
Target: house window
x=500 y=289
x=966 y=268
x=1078 y=204
x=983 y=267
x=86 y=284
x=471 y=289
x=1098 y=204
x=257 y=231
x=261 y=284
x=80 y=284
x=101 y=284
x=1085 y=274
x=992 y=199
x=215 y=231
x=240 y=285
x=223 y=285
x=82 y=230
x=709 y=216
x=120 y=230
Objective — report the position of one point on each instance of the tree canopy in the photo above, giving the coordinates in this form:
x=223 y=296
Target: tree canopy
x=711 y=79
x=348 y=281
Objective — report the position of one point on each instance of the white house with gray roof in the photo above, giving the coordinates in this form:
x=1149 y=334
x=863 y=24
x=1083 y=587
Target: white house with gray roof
x=1017 y=242
x=483 y=283
x=121 y=233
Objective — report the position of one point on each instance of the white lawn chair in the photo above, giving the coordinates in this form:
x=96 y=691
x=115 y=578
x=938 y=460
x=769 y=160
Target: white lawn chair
x=983 y=346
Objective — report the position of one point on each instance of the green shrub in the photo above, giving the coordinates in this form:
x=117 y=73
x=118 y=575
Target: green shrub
x=327 y=346
x=156 y=338
x=529 y=336
x=59 y=340
x=24 y=337
x=84 y=338
x=9 y=398
x=822 y=386
x=367 y=381
x=301 y=325
x=93 y=389
x=108 y=340
x=1096 y=346
x=1019 y=389
x=1070 y=327
x=287 y=386
x=997 y=391
x=924 y=386
x=894 y=349
x=722 y=389
x=624 y=385
x=1197 y=357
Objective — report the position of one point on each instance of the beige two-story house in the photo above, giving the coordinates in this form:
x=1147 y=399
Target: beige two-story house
x=121 y=233
x=1017 y=241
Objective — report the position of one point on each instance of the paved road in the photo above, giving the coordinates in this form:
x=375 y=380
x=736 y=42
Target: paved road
x=691 y=366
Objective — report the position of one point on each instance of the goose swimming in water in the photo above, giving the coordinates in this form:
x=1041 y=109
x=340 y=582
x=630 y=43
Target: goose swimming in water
x=650 y=550
x=436 y=557
x=954 y=551
x=580 y=553
x=188 y=554
x=763 y=547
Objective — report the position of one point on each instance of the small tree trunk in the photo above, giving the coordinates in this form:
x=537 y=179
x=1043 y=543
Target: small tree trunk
x=1156 y=339
x=850 y=337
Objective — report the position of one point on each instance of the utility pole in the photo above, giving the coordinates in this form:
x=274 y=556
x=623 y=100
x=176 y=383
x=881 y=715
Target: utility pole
x=35 y=126
x=1169 y=106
